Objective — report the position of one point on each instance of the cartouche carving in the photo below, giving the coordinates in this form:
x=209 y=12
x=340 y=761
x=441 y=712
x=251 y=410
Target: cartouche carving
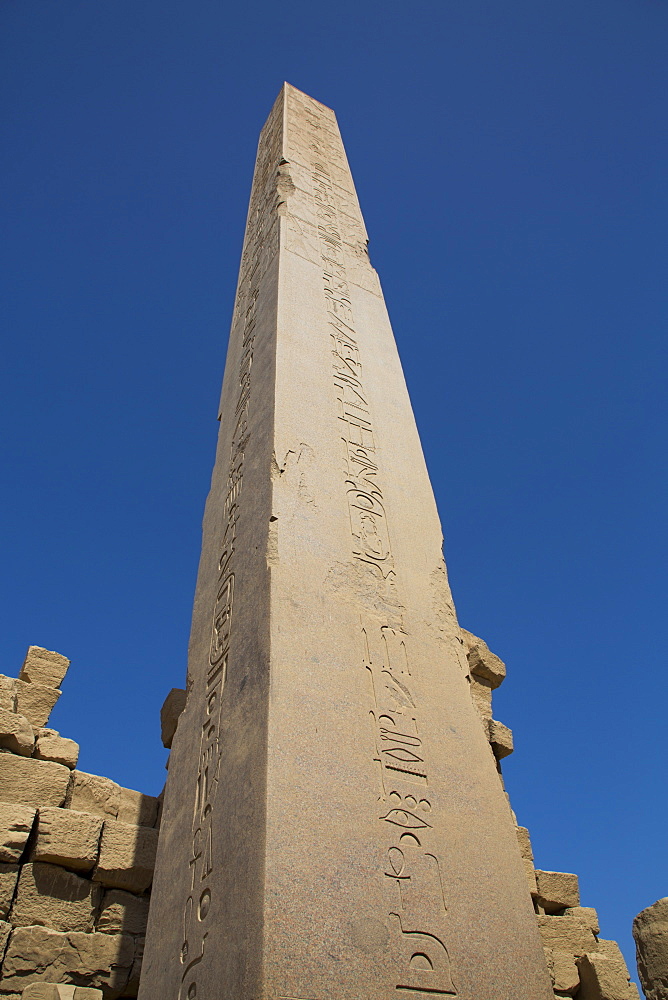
x=368 y=520
x=408 y=814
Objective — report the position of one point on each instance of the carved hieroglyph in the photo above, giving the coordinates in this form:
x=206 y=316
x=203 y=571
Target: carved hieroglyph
x=334 y=825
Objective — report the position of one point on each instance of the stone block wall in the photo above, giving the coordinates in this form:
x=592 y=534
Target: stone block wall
x=581 y=964
x=76 y=855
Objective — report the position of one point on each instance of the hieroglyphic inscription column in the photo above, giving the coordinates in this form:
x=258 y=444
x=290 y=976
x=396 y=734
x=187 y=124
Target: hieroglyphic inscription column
x=334 y=825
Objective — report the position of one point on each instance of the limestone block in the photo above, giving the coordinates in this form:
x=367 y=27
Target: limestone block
x=557 y=890
x=563 y=970
x=650 y=930
x=481 y=693
x=566 y=934
x=531 y=876
x=5 y=931
x=57 y=748
x=501 y=738
x=60 y=991
x=525 y=842
x=127 y=856
x=604 y=978
x=8 y=693
x=482 y=661
x=122 y=911
x=171 y=709
x=36 y=701
x=586 y=913
x=92 y=794
x=33 y=782
x=68 y=838
x=137 y=808
x=36 y=954
x=42 y=991
x=43 y=666
x=8 y=878
x=45 y=731
x=53 y=897
x=16 y=821
x=16 y=733
x=611 y=950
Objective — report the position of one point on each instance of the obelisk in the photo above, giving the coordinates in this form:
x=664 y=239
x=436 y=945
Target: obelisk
x=334 y=825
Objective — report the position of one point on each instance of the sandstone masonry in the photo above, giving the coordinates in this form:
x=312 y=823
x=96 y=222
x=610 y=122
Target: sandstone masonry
x=76 y=855
x=650 y=930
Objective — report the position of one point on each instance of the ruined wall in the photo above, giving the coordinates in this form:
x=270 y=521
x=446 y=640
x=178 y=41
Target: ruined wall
x=76 y=855
x=581 y=964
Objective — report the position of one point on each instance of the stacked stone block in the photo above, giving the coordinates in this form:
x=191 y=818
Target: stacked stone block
x=76 y=855
x=650 y=930
x=581 y=964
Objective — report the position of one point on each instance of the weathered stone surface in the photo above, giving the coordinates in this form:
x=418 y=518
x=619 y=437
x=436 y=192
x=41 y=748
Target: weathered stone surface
x=38 y=954
x=481 y=692
x=92 y=794
x=137 y=808
x=5 y=931
x=482 y=661
x=603 y=977
x=127 y=856
x=103 y=797
x=322 y=609
x=16 y=733
x=58 y=749
x=122 y=911
x=43 y=666
x=68 y=838
x=563 y=970
x=501 y=738
x=8 y=877
x=60 y=991
x=650 y=930
x=16 y=820
x=531 y=876
x=8 y=693
x=42 y=991
x=611 y=950
x=36 y=701
x=585 y=913
x=566 y=934
x=171 y=709
x=33 y=782
x=524 y=841
x=557 y=890
x=50 y=896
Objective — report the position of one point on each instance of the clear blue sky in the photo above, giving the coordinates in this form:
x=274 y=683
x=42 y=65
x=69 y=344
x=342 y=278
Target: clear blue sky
x=510 y=161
